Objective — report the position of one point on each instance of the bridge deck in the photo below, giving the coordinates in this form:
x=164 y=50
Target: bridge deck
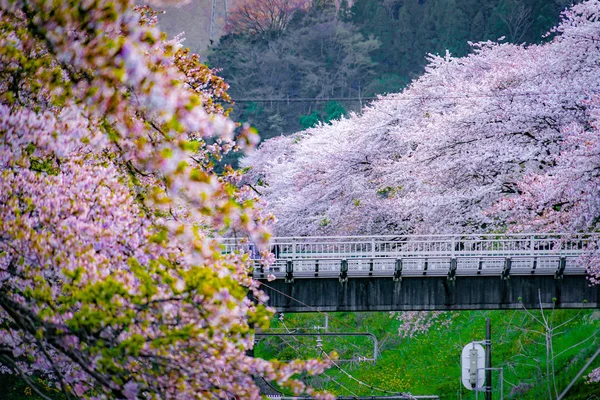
x=417 y=256
x=444 y=272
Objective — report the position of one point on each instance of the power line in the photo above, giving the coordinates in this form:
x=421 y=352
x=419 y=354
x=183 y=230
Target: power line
x=408 y=395
x=297 y=352
x=406 y=98
x=327 y=334
x=304 y=329
x=361 y=382
x=342 y=322
x=344 y=387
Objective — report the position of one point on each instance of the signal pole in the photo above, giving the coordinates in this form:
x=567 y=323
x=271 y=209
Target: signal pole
x=488 y=360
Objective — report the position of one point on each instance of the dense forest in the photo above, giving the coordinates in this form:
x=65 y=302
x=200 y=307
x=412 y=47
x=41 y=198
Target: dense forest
x=331 y=52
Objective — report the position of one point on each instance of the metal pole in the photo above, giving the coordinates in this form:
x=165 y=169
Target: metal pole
x=501 y=370
x=587 y=364
x=488 y=360
x=501 y=384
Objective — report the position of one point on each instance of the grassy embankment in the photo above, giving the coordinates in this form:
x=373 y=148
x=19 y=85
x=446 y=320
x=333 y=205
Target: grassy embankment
x=430 y=363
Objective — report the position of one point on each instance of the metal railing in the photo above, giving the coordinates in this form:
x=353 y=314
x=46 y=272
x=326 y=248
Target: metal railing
x=420 y=255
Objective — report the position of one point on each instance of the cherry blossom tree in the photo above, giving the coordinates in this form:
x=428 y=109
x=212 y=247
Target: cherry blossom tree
x=413 y=323
x=111 y=282
x=565 y=195
x=594 y=376
x=437 y=157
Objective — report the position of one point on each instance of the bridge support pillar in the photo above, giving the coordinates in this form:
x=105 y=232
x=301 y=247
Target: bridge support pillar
x=505 y=293
x=558 y=285
x=450 y=292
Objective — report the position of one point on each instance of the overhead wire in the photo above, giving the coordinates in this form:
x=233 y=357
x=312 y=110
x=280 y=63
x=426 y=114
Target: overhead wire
x=329 y=376
x=306 y=305
x=316 y=310
x=340 y=384
x=300 y=328
x=361 y=382
x=387 y=97
x=288 y=343
x=320 y=347
x=348 y=340
x=325 y=353
x=297 y=327
x=300 y=355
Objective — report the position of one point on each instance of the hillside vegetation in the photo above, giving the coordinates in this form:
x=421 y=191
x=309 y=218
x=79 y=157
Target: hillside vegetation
x=429 y=363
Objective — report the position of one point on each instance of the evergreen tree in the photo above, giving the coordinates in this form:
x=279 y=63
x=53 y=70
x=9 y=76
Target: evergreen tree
x=477 y=31
x=319 y=56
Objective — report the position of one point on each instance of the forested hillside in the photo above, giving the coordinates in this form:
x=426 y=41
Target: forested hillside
x=335 y=50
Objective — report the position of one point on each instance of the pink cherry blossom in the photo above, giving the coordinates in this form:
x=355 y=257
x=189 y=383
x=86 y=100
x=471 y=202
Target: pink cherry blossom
x=111 y=282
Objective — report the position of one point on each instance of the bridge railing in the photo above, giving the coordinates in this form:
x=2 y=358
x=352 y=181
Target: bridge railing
x=418 y=246
x=420 y=255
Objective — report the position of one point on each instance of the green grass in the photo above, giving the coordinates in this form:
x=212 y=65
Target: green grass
x=430 y=363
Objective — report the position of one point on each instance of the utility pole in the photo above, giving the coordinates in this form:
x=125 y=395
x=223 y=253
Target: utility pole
x=488 y=360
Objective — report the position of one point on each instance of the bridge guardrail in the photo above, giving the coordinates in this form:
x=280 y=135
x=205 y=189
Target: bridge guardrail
x=429 y=255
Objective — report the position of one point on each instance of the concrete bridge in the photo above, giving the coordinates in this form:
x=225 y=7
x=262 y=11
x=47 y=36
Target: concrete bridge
x=436 y=272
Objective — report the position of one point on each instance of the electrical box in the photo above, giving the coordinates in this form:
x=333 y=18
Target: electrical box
x=473 y=364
